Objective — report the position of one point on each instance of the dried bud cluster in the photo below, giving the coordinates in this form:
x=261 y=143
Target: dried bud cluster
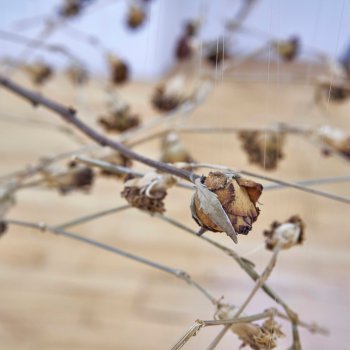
x=186 y=43
x=119 y=70
x=285 y=235
x=77 y=74
x=335 y=139
x=136 y=16
x=236 y=197
x=119 y=119
x=287 y=49
x=173 y=151
x=264 y=149
x=147 y=193
x=39 y=72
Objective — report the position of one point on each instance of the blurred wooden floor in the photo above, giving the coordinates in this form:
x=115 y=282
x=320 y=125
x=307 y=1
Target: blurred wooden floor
x=60 y=294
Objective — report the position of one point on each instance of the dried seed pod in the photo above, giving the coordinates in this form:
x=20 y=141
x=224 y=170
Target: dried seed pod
x=116 y=158
x=77 y=74
x=169 y=95
x=215 y=52
x=237 y=196
x=173 y=151
x=335 y=139
x=119 y=70
x=264 y=149
x=287 y=49
x=285 y=235
x=136 y=17
x=39 y=72
x=148 y=193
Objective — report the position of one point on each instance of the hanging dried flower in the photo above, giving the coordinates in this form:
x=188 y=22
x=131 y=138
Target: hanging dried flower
x=119 y=119
x=119 y=70
x=116 y=158
x=334 y=139
x=148 y=192
x=223 y=203
x=215 y=53
x=285 y=235
x=39 y=72
x=136 y=17
x=169 y=95
x=173 y=151
x=77 y=74
x=287 y=49
x=263 y=148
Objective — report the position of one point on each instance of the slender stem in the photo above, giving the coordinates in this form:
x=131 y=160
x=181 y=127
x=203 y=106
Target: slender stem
x=69 y=115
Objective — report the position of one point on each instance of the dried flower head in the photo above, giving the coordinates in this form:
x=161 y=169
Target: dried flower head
x=334 y=139
x=287 y=49
x=77 y=74
x=169 y=95
x=148 y=192
x=119 y=119
x=116 y=158
x=215 y=53
x=258 y=337
x=136 y=17
x=173 y=151
x=285 y=235
x=226 y=200
x=39 y=72
x=264 y=149
x=119 y=70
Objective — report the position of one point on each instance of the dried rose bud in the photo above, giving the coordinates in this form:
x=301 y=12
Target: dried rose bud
x=264 y=149
x=119 y=119
x=119 y=70
x=288 y=49
x=237 y=196
x=136 y=17
x=335 y=139
x=147 y=193
x=78 y=75
x=3 y=227
x=216 y=52
x=39 y=72
x=285 y=235
x=173 y=151
x=116 y=158
x=169 y=95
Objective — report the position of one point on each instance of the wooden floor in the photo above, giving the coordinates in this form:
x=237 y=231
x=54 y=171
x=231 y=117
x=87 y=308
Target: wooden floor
x=60 y=294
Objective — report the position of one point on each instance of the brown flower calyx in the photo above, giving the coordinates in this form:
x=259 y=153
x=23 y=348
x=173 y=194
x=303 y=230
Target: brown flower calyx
x=334 y=139
x=225 y=203
x=119 y=70
x=263 y=148
x=173 y=151
x=148 y=192
x=77 y=74
x=116 y=158
x=287 y=49
x=119 y=119
x=39 y=72
x=285 y=235
x=136 y=17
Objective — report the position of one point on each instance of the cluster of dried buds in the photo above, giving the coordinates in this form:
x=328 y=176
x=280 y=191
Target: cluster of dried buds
x=263 y=148
x=77 y=74
x=119 y=70
x=39 y=72
x=148 y=192
x=119 y=118
x=186 y=44
x=72 y=8
x=287 y=50
x=257 y=337
x=285 y=235
x=76 y=177
x=334 y=139
x=226 y=203
x=173 y=151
